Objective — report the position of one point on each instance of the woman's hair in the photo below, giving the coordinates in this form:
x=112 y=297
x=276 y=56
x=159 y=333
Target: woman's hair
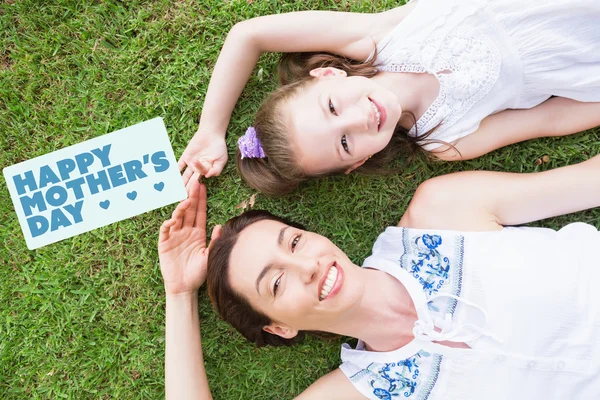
x=279 y=173
x=232 y=306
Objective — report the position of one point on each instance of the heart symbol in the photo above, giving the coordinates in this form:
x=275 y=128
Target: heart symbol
x=159 y=186
x=104 y=204
x=132 y=195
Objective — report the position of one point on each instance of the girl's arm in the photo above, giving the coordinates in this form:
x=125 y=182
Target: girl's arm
x=557 y=116
x=482 y=200
x=352 y=35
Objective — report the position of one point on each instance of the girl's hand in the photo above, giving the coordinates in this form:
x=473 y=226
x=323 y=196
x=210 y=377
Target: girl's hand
x=205 y=152
x=182 y=248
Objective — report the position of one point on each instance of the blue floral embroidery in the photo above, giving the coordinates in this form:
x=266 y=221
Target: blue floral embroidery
x=430 y=267
x=431 y=241
x=402 y=378
x=436 y=273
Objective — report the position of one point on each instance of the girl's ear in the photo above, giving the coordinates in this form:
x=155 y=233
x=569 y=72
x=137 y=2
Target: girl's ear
x=327 y=71
x=356 y=165
x=281 y=330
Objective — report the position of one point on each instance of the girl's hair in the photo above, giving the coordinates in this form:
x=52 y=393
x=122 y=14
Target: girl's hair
x=279 y=173
x=232 y=306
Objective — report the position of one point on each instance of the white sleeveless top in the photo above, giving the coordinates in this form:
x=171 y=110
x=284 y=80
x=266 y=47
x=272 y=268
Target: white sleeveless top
x=490 y=56
x=525 y=299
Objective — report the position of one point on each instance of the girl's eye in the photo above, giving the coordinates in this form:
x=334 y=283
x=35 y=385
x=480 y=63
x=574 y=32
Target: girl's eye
x=345 y=144
x=276 y=285
x=295 y=241
x=332 y=108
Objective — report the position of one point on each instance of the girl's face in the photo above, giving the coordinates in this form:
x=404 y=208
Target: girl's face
x=299 y=279
x=339 y=121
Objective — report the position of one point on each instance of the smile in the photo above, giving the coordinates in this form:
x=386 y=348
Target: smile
x=331 y=283
x=378 y=113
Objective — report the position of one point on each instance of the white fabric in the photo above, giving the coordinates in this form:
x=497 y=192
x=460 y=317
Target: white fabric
x=524 y=299
x=490 y=56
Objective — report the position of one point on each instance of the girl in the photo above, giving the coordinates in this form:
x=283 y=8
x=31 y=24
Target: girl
x=450 y=305
x=459 y=78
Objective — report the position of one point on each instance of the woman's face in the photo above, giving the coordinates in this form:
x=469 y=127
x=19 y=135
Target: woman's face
x=338 y=121
x=299 y=279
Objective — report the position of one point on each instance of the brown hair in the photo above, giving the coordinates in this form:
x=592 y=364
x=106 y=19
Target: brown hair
x=279 y=173
x=232 y=306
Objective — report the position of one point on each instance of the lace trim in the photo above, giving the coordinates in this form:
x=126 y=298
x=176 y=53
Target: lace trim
x=465 y=62
x=414 y=67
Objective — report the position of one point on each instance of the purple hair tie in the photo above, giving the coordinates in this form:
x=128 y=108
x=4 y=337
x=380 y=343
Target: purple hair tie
x=250 y=146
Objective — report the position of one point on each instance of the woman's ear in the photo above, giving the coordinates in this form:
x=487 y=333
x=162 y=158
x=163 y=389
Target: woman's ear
x=215 y=234
x=356 y=165
x=281 y=330
x=327 y=71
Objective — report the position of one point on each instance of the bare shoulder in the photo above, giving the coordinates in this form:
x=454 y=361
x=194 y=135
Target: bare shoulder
x=386 y=21
x=334 y=385
x=429 y=203
x=459 y=201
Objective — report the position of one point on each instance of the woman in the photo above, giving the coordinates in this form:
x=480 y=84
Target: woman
x=459 y=78
x=451 y=304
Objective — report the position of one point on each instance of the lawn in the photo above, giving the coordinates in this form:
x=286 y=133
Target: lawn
x=84 y=318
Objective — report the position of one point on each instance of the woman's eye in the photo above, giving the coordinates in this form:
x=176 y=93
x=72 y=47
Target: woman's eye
x=332 y=108
x=295 y=242
x=345 y=144
x=276 y=285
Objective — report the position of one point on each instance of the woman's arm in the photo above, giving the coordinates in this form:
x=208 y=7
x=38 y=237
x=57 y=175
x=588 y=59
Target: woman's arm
x=183 y=256
x=349 y=34
x=482 y=200
x=557 y=116
x=185 y=377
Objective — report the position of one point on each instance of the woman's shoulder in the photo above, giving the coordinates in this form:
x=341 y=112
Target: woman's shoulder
x=381 y=375
x=333 y=385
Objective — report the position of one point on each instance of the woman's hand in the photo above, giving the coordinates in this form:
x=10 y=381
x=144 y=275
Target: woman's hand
x=182 y=248
x=205 y=152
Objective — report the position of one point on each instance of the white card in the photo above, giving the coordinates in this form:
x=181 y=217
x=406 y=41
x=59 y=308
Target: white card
x=95 y=183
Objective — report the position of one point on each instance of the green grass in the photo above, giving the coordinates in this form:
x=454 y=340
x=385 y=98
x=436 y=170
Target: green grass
x=84 y=318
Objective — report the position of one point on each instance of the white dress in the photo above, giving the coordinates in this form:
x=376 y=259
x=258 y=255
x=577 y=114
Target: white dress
x=490 y=56
x=526 y=300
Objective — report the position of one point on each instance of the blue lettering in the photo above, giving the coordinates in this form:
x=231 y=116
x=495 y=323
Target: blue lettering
x=133 y=170
x=58 y=219
x=38 y=225
x=101 y=180
x=75 y=184
x=116 y=176
x=35 y=201
x=102 y=154
x=56 y=196
x=75 y=211
x=65 y=167
x=84 y=160
x=47 y=176
x=28 y=181
x=159 y=159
